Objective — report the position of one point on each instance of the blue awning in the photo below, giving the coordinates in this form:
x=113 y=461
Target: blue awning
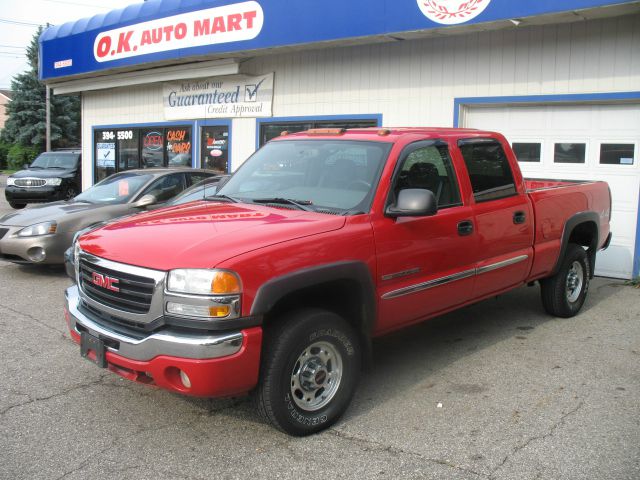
x=164 y=30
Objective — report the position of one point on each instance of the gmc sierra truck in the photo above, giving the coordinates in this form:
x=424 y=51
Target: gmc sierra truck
x=319 y=242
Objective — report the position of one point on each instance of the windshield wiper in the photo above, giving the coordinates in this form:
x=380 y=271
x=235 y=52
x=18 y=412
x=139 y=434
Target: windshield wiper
x=57 y=166
x=300 y=204
x=221 y=197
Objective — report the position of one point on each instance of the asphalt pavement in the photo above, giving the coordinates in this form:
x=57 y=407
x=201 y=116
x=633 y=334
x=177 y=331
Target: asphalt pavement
x=498 y=390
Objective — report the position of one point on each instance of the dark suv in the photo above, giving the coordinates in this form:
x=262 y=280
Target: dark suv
x=52 y=176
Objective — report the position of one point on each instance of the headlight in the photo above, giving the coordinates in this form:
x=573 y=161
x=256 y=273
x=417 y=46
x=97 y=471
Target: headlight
x=44 y=228
x=54 y=182
x=11 y=182
x=203 y=282
x=212 y=294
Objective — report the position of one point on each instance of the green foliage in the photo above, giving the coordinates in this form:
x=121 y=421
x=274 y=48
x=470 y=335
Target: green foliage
x=4 y=150
x=26 y=122
x=19 y=156
x=633 y=283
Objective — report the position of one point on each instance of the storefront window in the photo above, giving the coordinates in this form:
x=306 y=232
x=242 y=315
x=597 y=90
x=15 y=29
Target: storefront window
x=214 y=150
x=124 y=148
x=128 y=155
x=273 y=130
x=152 y=148
x=179 y=147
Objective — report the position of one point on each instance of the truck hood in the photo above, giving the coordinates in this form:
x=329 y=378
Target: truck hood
x=44 y=173
x=202 y=234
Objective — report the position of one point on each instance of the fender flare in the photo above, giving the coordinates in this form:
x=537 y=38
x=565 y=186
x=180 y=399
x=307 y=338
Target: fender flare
x=277 y=288
x=571 y=224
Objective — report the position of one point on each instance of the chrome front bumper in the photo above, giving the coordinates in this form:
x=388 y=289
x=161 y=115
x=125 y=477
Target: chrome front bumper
x=170 y=343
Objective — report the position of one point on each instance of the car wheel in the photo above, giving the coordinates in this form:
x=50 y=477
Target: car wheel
x=564 y=294
x=309 y=372
x=17 y=206
x=70 y=192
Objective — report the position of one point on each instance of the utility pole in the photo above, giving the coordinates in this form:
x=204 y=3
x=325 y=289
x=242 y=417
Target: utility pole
x=48 y=116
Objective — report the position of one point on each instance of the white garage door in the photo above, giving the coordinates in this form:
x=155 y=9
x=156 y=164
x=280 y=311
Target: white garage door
x=581 y=142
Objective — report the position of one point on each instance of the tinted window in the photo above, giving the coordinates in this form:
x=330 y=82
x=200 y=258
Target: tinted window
x=569 y=152
x=273 y=130
x=430 y=168
x=166 y=187
x=527 y=152
x=617 y=153
x=179 y=147
x=489 y=170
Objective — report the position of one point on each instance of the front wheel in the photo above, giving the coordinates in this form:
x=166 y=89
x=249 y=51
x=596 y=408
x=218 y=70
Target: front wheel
x=310 y=370
x=70 y=193
x=17 y=206
x=564 y=294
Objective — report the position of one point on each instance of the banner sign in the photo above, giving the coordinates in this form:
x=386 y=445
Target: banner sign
x=161 y=31
x=230 y=23
x=220 y=97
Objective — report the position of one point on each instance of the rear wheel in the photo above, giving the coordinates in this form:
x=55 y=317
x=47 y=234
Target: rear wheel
x=17 y=206
x=310 y=369
x=564 y=294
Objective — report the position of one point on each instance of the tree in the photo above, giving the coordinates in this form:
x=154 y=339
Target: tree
x=26 y=113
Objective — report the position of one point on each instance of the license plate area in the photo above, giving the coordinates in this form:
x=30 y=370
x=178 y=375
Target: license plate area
x=93 y=349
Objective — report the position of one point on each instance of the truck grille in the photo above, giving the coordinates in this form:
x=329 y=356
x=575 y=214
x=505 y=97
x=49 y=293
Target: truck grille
x=30 y=182
x=133 y=295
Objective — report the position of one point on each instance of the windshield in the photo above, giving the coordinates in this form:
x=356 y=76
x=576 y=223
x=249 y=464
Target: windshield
x=55 y=160
x=334 y=175
x=119 y=188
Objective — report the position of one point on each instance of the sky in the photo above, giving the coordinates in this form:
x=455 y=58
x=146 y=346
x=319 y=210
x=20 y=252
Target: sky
x=19 y=20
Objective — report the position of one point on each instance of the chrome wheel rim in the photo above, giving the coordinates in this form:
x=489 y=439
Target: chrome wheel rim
x=316 y=376
x=575 y=280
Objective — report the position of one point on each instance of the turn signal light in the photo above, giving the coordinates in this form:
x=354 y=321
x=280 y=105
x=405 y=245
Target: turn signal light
x=224 y=283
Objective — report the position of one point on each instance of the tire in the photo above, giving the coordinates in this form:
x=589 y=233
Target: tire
x=17 y=206
x=70 y=192
x=564 y=294
x=303 y=355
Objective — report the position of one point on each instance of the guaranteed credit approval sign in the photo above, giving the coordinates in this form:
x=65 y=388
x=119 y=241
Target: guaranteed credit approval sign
x=229 y=23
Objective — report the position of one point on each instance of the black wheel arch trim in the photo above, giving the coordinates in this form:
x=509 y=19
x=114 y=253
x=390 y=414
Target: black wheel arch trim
x=572 y=223
x=277 y=288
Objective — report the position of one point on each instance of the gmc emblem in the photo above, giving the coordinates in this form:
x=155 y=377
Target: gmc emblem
x=103 y=281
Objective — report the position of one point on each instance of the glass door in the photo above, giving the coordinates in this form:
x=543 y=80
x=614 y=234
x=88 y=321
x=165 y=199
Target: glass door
x=214 y=151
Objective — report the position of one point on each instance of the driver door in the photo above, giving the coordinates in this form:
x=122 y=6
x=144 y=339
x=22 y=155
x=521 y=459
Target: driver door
x=426 y=265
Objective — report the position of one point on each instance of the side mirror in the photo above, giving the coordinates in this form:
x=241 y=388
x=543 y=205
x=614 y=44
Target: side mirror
x=414 y=202
x=145 y=201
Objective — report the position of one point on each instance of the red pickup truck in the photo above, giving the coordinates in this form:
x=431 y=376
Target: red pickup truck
x=321 y=241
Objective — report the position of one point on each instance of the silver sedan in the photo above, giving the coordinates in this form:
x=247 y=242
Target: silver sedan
x=41 y=234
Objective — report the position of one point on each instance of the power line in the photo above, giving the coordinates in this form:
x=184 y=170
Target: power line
x=16 y=22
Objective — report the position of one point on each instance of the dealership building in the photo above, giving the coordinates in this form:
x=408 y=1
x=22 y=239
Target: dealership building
x=204 y=83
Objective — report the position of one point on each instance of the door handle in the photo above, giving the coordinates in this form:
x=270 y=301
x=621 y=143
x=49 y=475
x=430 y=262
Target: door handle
x=519 y=217
x=465 y=228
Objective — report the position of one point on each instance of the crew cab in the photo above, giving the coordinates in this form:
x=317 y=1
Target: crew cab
x=321 y=241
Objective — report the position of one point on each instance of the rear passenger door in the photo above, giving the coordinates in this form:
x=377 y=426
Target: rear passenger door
x=503 y=217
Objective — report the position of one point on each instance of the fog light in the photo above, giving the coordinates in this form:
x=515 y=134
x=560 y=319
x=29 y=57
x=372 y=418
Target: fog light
x=218 y=311
x=185 y=379
x=36 y=254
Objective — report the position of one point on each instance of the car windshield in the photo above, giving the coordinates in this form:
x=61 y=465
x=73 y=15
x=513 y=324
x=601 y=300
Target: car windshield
x=55 y=160
x=118 y=188
x=333 y=175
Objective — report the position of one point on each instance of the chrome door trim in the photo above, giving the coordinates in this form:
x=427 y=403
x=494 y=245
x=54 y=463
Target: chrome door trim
x=453 y=278
x=502 y=264
x=430 y=284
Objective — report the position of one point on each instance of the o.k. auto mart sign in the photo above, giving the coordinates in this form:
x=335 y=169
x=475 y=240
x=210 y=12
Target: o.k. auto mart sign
x=219 y=97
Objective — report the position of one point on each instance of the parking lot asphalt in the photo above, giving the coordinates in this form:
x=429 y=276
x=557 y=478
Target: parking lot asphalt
x=498 y=390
